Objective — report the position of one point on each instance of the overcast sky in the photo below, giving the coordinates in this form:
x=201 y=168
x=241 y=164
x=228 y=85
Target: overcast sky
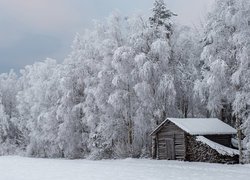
x=32 y=30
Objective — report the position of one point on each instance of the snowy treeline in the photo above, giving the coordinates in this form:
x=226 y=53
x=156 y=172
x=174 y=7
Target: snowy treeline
x=125 y=76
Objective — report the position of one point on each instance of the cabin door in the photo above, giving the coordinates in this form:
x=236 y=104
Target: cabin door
x=170 y=148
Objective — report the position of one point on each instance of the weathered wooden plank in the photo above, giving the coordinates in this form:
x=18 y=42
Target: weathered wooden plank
x=179 y=152
x=171 y=133
x=179 y=140
x=176 y=142
x=180 y=158
x=169 y=130
x=167 y=135
x=179 y=147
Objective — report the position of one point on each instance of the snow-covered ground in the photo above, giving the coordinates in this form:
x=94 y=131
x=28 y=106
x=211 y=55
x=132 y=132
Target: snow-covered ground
x=20 y=168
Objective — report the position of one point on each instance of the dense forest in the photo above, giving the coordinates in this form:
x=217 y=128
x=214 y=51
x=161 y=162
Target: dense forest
x=123 y=77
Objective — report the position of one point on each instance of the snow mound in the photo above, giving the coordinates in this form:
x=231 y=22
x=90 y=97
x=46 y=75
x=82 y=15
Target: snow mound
x=218 y=147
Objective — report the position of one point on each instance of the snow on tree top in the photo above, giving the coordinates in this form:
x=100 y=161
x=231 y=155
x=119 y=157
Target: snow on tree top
x=200 y=126
x=218 y=147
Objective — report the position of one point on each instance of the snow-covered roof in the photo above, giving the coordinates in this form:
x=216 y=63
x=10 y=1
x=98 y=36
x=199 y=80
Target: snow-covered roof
x=218 y=147
x=200 y=126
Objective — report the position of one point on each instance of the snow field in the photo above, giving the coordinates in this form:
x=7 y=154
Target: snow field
x=21 y=168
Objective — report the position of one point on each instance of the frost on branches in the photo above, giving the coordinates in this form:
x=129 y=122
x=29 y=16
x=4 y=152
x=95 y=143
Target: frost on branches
x=123 y=77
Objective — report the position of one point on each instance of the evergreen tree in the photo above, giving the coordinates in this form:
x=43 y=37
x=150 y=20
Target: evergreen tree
x=161 y=18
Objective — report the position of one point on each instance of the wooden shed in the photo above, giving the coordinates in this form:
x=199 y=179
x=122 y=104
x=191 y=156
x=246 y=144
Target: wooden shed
x=194 y=139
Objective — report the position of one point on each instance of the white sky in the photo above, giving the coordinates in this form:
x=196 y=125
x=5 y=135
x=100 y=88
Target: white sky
x=32 y=30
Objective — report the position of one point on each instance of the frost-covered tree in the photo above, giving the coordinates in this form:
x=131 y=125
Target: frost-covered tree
x=92 y=57
x=156 y=86
x=11 y=137
x=161 y=17
x=186 y=69
x=72 y=130
x=124 y=77
x=123 y=97
x=224 y=82
x=153 y=72
x=89 y=58
x=37 y=105
x=219 y=63
x=111 y=122
x=240 y=78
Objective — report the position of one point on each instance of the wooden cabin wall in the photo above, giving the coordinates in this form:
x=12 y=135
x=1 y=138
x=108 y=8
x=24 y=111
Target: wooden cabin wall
x=221 y=139
x=154 y=147
x=171 y=131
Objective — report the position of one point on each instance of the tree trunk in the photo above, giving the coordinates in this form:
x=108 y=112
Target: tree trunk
x=208 y=114
x=130 y=122
x=239 y=136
